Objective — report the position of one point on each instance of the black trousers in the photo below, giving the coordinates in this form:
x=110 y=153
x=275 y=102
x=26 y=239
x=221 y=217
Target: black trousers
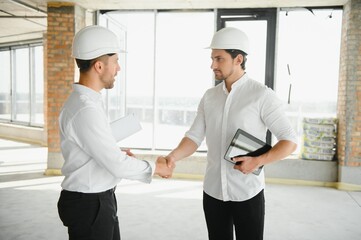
x=247 y=217
x=89 y=216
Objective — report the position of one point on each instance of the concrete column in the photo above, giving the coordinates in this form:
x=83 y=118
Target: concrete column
x=64 y=20
x=349 y=98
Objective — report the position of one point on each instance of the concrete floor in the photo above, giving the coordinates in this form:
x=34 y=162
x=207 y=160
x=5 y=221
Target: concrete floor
x=165 y=209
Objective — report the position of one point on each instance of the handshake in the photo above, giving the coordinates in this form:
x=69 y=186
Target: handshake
x=164 y=166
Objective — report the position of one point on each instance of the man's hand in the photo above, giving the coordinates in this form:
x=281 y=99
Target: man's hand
x=128 y=152
x=247 y=164
x=164 y=168
x=170 y=161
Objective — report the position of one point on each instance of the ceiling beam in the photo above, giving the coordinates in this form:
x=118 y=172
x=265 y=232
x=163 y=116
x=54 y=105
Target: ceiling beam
x=25 y=16
x=27 y=6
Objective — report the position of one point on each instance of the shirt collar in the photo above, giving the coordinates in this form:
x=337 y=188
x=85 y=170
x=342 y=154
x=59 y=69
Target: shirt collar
x=241 y=81
x=87 y=91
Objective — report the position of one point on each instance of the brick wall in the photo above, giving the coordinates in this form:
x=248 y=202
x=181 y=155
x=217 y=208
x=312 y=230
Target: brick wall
x=62 y=24
x=60 y=66
x=349 y=93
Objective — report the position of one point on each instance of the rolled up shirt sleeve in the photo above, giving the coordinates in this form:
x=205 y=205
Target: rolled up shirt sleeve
x=198 y=129
x=273 y=114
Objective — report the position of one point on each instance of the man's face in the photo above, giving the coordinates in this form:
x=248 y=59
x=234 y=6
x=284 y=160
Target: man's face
x=111 y=68
x=222 y=64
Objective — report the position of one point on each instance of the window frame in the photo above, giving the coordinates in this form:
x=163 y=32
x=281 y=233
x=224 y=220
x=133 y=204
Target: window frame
x=11 y=48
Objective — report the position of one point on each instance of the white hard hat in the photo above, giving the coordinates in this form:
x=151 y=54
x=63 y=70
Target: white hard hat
x=230 y=38
x=94 y=41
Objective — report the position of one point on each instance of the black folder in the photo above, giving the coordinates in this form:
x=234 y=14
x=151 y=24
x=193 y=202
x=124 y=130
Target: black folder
x=244 y=144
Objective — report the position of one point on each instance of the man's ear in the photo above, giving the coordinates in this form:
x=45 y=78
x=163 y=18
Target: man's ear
x=239 y=59
x=98 y=66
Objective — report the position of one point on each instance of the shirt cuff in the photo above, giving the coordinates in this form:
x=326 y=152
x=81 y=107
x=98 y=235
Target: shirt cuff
x=152 y=165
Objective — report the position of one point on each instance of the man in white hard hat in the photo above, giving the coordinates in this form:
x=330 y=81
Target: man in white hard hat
x=94 y=164
x=233 y=198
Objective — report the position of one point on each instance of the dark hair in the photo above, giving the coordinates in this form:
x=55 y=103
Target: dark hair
x=85 y=65
x=235 y=52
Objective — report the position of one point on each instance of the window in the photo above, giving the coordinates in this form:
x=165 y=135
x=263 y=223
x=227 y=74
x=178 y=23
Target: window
x=167 y=71
x=22 y=85
x=5 y=83
x=308 y=63
x=37 y=100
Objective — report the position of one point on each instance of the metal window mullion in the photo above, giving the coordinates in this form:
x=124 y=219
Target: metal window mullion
x=121 y=99
x=107 y=91
x=13 y=84
x=32 y=85
x=124 y=107
x=155 y=107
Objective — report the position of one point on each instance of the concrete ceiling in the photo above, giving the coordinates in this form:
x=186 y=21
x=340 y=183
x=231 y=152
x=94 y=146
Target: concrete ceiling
x=26 y=19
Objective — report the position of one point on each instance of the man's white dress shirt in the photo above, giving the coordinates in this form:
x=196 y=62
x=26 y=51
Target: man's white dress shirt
x=254 y=108
x=93 y=161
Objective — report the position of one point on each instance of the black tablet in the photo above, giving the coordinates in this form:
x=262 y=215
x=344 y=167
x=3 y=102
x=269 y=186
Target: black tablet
x=244 y=144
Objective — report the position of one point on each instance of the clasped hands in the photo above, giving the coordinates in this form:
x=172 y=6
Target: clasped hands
x=164 y=166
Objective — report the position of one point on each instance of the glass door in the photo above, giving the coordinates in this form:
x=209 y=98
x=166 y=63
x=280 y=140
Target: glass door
x=115 y=99
x=167 y=71
x=260 y=27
